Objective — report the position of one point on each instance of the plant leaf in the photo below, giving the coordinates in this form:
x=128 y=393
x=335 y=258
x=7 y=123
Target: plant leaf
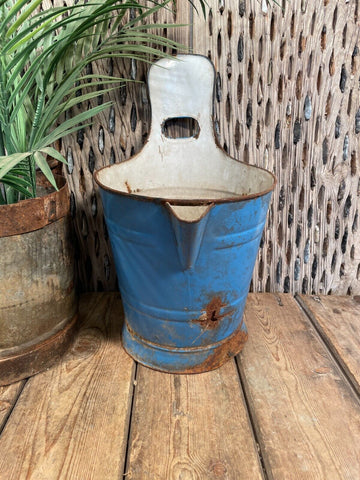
x=23 y=16
x=52 y=152
x=70 y=126
x=18 y=184
x=7 y=162
x=41 y=162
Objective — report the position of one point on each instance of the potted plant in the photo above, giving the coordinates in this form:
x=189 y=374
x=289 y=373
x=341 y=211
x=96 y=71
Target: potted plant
x=43 y=55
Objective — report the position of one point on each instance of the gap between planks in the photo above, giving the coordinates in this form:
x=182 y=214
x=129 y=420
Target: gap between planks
x=72 y=421
x=342 y=341
x=305 y=414
x=191 y=426
x=125 y=474
x=252 y=421
x=9 y=396
x=272 y=333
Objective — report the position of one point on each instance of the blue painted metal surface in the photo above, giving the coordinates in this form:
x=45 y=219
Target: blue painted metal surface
x=184 y=280
x=176 y=317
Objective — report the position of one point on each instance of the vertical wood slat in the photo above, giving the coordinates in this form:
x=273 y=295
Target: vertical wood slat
x=305 y=413
x=114 y=136
x=191 y=426
x=287 y=99
x=72 y=421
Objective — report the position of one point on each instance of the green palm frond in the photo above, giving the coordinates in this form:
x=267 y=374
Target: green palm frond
x=43 y=55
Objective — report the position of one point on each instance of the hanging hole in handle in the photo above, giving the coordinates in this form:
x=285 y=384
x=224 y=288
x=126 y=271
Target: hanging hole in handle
x=180 y=127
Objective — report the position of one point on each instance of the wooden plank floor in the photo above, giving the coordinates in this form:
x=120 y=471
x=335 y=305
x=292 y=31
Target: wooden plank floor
x=286 y=408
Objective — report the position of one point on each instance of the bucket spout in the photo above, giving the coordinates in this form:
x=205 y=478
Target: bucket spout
x=189 y=224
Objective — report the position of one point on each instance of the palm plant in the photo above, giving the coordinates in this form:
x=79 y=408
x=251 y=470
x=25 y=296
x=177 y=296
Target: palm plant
x=43 y=55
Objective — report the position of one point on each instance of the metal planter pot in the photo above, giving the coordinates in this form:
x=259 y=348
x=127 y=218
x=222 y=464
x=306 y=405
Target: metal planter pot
x=38 y=302
x=185 y=222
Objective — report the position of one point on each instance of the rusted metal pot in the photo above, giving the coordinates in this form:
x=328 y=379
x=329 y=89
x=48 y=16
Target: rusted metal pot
x=185 y=222
x=38 y=302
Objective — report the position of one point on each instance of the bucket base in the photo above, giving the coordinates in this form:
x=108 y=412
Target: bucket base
x=183 y=360
x=23 y=362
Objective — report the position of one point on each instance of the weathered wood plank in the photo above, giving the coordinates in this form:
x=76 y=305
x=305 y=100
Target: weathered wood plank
x=8 y=397
x=338 y=320
x=306 y=415
x=191 y=427
x=71 y=422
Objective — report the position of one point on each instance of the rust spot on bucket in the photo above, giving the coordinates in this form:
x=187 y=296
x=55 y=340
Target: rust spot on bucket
x=223 y=353
x=52 y=209
x=128 y=187
x=211 y=317
x=70 y=288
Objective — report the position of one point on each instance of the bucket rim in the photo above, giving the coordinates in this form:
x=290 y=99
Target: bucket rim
x=136 y=194
x=188 y=201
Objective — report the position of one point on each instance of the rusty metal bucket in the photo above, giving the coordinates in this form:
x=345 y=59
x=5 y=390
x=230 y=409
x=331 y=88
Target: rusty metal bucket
x=185 y=222
x=38 y=300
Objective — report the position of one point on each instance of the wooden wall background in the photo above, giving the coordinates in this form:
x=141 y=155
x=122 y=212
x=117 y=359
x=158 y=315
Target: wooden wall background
x=287 y=98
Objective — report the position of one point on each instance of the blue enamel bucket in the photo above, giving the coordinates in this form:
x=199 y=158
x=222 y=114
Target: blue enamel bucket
x=185 y=222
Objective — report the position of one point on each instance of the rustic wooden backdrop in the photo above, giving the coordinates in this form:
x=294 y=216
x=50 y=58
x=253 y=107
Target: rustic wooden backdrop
x=287 y=98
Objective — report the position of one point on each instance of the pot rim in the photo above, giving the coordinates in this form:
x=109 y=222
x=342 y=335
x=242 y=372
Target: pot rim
x=188 y=201
x=35 y=213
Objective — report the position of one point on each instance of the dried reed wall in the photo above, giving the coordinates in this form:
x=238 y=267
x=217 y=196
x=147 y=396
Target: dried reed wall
x=287 y=98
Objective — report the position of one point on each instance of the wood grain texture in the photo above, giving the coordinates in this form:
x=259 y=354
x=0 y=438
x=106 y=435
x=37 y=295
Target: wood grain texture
x=71 y=422
x=8 y=397
x=191 y=427
x=306 y=415
x=287 y=99
x=338 y=321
